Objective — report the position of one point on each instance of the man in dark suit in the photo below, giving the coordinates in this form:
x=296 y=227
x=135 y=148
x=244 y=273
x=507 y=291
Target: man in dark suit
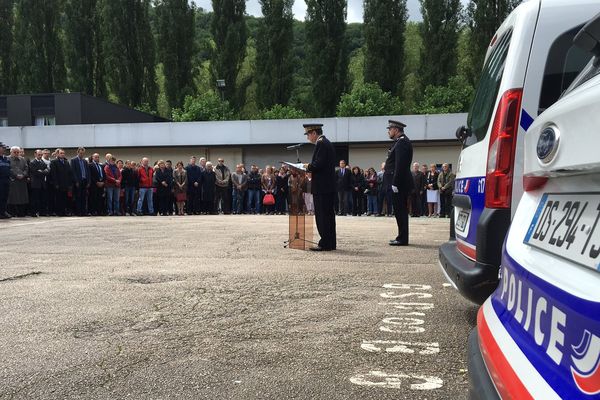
x=97 y=180
x=322 y=168
x=62 y=179
x=38 y=171
x=399 y=179
x=343 y=176
x=81 y=181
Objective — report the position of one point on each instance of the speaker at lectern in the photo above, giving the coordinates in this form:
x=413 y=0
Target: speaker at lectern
x=300 y=223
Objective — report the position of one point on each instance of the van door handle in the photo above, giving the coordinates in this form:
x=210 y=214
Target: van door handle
x=461 y=201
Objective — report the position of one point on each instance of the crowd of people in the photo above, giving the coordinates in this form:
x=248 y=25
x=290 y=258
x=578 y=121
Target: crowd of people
x=49 y=184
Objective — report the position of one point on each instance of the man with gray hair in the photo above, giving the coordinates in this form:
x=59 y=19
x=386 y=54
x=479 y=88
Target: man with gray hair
x=18 y=196
x=446 y=185
x=4 y=182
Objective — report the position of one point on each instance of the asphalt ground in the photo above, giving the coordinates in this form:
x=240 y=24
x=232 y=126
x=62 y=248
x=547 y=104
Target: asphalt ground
x=214 y=307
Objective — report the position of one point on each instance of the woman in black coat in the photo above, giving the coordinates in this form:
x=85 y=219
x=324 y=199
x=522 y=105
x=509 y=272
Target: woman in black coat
x=357 y=183
x=163 y=181
x=209 y=180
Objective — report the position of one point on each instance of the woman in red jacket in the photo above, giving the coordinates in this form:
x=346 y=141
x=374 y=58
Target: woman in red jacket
x=113 y=186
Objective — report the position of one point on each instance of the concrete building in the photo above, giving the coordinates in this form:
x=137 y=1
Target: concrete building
x=361 y=141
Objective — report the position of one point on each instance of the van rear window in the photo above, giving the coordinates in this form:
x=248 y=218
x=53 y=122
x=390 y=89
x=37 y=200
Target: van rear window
x=482 y=108
x=565 y=61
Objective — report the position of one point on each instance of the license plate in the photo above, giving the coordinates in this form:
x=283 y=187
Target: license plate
x=566 y=225
x=461 y=221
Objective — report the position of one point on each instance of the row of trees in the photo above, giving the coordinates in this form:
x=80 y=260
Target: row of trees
x=166 y=55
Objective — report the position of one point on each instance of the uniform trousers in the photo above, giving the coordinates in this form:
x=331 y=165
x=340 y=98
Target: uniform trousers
x=401 y=214
x=325 y=218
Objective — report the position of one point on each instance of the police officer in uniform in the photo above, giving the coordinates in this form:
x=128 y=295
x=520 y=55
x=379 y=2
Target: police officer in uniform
x=323 y=187
x=398 y=178
x=4 y=182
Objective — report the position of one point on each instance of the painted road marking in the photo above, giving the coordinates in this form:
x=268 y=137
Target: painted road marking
x=394 y=381
x=401 y=320
x=397 y=346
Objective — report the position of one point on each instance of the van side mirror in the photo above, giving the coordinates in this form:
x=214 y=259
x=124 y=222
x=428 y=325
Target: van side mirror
x=462 y=133
x=588 y=38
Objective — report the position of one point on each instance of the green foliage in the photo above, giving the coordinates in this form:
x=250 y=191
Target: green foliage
x=453 y=98
x=281 y=112
x=385 y=21
x=228 y=28
x=440 y=37
x=485 y=16
x=6 y=46
x=83 y=47
x=274 y=61
x=205 y=107
x=39 y=66
x=128 y=50
x=367 y=100
x=326 y=52
x=356 y=68
x=176 y=47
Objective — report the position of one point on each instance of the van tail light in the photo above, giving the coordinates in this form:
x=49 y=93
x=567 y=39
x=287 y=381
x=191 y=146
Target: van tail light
x=501 y=153
x=531 y=183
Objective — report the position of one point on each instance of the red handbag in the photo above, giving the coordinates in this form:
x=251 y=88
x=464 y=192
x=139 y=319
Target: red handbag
x=269 y=199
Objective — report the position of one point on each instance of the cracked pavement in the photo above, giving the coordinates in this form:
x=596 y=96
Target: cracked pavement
x=213 y=307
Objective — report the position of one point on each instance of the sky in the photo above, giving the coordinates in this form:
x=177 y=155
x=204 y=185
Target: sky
x=355 y=9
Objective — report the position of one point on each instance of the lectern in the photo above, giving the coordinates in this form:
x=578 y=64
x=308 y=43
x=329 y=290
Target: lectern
x=300 y=223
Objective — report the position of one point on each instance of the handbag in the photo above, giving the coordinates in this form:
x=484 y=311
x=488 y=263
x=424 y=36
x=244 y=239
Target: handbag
x=269 y=199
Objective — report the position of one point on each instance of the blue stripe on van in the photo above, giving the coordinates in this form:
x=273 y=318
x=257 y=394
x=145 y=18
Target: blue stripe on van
x=526 y=120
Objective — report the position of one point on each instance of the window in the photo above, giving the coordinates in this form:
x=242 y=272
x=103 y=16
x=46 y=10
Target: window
x=45 y=120
x=563 y=64
x=3 y=122
x=590 y=71
x=484 y=103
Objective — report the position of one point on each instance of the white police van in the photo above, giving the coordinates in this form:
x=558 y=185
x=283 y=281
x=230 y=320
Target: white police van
x=529 y=63
x=538 y=335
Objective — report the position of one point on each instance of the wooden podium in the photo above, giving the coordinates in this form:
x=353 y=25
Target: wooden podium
x=300 y=223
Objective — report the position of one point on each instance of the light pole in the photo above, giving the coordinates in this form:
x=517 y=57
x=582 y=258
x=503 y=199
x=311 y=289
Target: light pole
x=221 y=88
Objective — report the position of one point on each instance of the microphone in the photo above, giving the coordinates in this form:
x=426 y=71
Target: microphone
x=295 y=146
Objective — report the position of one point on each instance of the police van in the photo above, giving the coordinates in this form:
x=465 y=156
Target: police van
x=529 y=63
x=538 y=335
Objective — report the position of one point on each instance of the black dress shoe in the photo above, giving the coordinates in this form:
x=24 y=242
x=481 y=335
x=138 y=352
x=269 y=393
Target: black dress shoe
x=397 y=243
x=319 y=248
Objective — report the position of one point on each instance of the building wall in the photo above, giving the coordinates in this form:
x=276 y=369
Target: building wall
x=374 y=155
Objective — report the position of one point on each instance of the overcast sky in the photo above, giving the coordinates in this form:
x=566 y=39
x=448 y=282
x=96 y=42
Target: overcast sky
x=355 y=9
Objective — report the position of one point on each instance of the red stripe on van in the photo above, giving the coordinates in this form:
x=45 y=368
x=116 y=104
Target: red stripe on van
x=507 y=383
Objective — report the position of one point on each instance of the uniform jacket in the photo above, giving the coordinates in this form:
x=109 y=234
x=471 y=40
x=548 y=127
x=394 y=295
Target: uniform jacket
x=76 y=168
x=38 y=170
x=397 y=166
x=62 y=175
x=322 y=167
